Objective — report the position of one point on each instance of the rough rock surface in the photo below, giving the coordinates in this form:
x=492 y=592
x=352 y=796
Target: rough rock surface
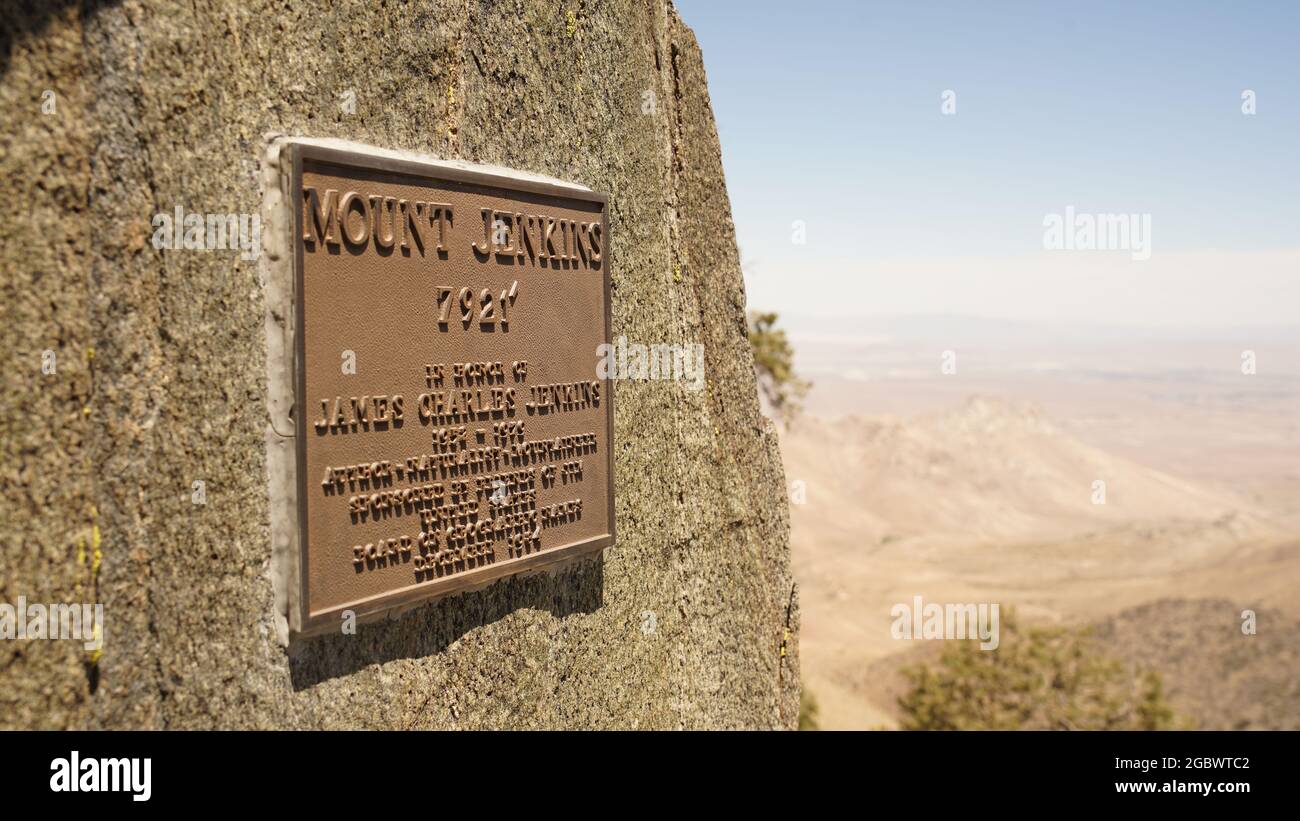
x=160 y=376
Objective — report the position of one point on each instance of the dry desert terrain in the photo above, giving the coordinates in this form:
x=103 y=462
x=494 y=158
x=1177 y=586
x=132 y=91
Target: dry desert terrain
x=979 y=486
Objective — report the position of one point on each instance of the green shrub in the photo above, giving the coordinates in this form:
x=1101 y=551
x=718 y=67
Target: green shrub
x=807 y=710
x=774 y=366
x=1038 y=678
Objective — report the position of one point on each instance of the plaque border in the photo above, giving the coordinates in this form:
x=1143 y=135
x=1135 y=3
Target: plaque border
x=301 y=620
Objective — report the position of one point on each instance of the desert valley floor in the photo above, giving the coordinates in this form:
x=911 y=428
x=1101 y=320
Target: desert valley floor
x=979 y=486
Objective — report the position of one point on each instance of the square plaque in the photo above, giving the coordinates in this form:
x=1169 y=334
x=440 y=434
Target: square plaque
x=450 y=426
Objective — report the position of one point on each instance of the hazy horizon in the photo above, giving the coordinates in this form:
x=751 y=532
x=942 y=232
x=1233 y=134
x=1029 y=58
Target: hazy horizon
x=833 y=131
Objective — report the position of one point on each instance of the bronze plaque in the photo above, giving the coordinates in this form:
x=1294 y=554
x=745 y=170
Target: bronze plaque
x=451 y=426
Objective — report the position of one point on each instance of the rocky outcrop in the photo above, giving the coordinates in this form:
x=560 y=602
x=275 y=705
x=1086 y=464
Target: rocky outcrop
x=690 y=620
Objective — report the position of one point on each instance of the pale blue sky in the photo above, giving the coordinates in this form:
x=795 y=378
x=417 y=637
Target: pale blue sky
x=829 y=112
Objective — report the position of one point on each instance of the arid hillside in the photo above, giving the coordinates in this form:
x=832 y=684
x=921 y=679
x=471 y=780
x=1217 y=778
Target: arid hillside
x=993 y=501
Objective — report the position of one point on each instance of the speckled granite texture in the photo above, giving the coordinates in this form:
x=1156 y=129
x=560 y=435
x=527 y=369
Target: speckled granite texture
x=161 y=371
